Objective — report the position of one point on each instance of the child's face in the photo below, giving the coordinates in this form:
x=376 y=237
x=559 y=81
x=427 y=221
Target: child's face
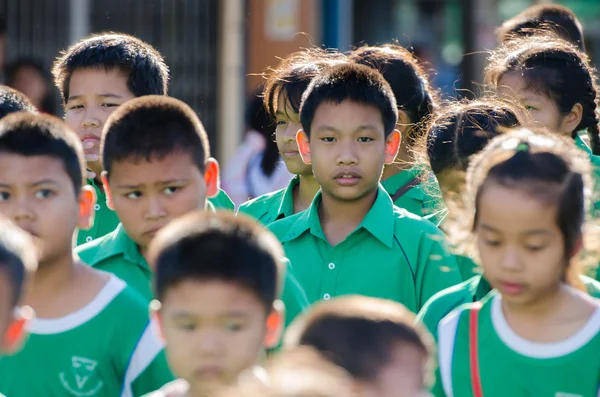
x=403 y=376
x=149 y=194
x=288 y=125
x=37 y=194
x=215 y=330
x=542 y=109
x=94 y=93
x=348 y=149
x=520 y=245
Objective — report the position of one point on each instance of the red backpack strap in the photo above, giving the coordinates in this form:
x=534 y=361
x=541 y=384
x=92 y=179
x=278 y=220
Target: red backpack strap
x=473 y=349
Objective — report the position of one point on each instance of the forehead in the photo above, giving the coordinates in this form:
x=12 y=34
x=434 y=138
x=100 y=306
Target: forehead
x=140 y=170
x=28 y=169
x=347 y=116
x=514 y=84
x=513 y=209
x=211 y=297
x=98 y=81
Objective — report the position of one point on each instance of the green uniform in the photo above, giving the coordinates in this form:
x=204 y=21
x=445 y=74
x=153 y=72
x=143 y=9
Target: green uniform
x=467 y=267
x=409 y=193
x=512 y=366
x=392 y=255
x=472 y=290
x=118 y=254
x=107 y=348
x=581 y=141
x=272 y=206
x=106 y=220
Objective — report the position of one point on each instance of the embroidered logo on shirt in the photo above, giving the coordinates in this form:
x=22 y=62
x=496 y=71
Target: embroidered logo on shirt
x=80 y=381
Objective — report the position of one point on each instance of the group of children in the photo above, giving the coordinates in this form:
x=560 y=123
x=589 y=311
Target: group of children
x=423 y=245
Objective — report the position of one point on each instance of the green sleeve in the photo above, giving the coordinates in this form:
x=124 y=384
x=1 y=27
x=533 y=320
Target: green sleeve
x=467 y=267
x=439 y=306
x=293 y=297
x=222 y=201
x=155 y=376
x=436 y=269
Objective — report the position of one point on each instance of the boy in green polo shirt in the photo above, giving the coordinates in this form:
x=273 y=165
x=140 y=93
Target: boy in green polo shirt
x=92 y=335
x=95 y=76
x=12 y=101
x=157 y=164
x=352 y=239
x=282 y=95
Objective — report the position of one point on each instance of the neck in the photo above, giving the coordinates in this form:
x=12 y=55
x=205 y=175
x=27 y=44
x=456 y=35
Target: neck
x=50 y=277
x=305 y=192
x=346 y=213
x=144 y=252
x=403 y=161
x=540 y=309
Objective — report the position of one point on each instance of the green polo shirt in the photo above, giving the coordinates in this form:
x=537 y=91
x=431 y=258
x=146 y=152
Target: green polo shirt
x=392 y=255
x=422 y=199
x=472 y=290
x=117 y=253
x=581 y=142
x=272 y=206
x=106 y=220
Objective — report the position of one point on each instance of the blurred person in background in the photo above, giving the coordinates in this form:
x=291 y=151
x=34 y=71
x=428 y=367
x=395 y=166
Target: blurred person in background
x=258 y=168
x=28 y=76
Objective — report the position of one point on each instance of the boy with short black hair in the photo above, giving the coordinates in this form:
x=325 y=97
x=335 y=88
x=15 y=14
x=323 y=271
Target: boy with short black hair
x=95 y=76
x=12 y=101
x=352 y=239
x=157 y=164
x=218 y=280
x=92 y=330
x=554 y=17
x=375 y=340
x=282 y=97
x=18 y=264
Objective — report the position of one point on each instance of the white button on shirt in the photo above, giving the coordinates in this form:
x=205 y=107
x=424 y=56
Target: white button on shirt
x=97 y=207
x=88 y=238
x=331 y=266
x=326 y=297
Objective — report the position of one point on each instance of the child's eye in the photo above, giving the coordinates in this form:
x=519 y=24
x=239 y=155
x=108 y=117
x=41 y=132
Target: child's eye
x=365 y=139
x=187 y=326
x=134 y=195
x=281 y=122
x=171 y=190
x=43 y=193
x=110 y=105
x=234 y=326
x=535 y=248
x=73 y=107
x=328 y=139
x=492 y=243
x=530 y=108
x=4 y=196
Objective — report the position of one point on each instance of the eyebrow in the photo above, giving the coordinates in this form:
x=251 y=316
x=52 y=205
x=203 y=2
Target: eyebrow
x=527 y=233
x=358 y=129
x=230 y=314
x=107 y=95
x=167 y=182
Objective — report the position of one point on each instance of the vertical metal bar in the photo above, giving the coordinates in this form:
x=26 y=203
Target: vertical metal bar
x=79 y=25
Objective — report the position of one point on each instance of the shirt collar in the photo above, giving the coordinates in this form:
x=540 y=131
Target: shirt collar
x=396 y=182
x=286 y=206
x=119 y=243
x=379 y=221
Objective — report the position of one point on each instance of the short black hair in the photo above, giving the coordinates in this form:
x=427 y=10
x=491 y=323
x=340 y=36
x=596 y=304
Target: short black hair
x=153 y=126
x=356 y=83
x=31 y=134
x=218 y=246
x=144 y=66
x=406 y=77
x=12 y=101
x=17 y=257
x=553 y=17
x=357 y=333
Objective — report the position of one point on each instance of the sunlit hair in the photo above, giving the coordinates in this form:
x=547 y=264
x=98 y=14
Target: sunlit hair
x=544 y=166
x=555 y=68
x=293 y=74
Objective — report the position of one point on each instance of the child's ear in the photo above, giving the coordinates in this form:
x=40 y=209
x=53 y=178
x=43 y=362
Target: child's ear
x=211 y=177
x=573 y=118
x=304 y=146
x=16 y=334
x=109 y=197
x=156 y=318
x=577 y=247
x=392 y=145
x=87 y=201
x=275 y=323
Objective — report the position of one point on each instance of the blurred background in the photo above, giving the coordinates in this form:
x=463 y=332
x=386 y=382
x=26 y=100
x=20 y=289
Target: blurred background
x=217 y=49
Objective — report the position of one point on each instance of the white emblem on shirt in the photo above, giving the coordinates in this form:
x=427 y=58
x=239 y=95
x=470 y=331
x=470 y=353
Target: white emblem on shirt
x=79 y=382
